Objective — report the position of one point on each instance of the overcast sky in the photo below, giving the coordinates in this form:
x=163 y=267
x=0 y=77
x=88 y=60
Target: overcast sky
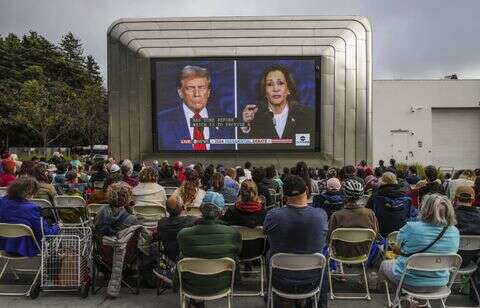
x=412 y=39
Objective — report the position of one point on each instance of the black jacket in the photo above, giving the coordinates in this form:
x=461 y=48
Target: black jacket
x=234 y=217
x=168 y=228
x=468 y=223
x=430 y=188
x=301 y=119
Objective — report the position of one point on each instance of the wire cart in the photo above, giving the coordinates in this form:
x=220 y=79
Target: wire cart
x=67 y=260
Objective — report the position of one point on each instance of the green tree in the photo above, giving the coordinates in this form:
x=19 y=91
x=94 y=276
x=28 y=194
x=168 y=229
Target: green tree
x=72 y=47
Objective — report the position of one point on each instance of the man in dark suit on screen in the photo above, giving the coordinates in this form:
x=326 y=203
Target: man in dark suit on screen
x=193 y=88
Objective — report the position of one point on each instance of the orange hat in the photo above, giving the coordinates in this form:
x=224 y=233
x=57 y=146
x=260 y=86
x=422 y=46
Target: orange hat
x=9 y=166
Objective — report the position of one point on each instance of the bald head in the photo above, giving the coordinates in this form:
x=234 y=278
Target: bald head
x=174 y=206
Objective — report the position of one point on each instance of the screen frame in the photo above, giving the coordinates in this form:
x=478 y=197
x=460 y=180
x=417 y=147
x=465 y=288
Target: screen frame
x=318 y=103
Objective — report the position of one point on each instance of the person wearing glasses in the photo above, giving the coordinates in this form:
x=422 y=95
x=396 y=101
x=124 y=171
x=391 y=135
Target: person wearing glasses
x=194 y=88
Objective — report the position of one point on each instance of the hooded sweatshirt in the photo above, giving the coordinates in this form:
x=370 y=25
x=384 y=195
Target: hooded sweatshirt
x=109 y=221
x=392 y=207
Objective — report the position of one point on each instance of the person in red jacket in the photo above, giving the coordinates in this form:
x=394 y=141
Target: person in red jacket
x=8 y=175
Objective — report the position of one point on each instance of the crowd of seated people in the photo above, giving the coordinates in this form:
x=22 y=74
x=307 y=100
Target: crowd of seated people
x=429 y=211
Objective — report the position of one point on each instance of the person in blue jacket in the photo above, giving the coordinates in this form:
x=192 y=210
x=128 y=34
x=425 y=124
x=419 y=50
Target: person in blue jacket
x=15 y=208
x=435 y=228
x=333 y=199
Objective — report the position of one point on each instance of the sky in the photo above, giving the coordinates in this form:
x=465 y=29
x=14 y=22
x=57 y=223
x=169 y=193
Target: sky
x=412 y=39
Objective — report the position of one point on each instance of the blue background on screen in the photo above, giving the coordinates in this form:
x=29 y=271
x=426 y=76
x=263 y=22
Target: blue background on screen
x=249 y=73
x=222 y=80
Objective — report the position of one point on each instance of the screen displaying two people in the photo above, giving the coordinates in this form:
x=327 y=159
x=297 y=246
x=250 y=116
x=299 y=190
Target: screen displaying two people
x=229 y=105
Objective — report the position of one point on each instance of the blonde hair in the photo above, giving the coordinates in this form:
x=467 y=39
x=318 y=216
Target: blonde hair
x=438 y=210
x=189 y=187
x=248 y=191
x=389 y=178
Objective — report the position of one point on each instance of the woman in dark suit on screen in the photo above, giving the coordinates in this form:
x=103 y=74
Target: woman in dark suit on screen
x=278 y=114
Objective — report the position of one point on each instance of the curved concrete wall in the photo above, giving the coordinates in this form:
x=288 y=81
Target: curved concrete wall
x=344 y=44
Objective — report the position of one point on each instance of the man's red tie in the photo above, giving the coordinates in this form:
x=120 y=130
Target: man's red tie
x=198 y=135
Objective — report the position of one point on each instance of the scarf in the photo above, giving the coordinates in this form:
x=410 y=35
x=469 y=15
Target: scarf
x=248 y=207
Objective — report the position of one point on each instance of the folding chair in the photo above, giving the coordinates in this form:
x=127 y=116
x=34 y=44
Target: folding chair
x=276 y=197
x=351 y=236
x=250 y=235
x=103 y=260
x=169 y=190
x=296 y=262
x=16 y=231
x=94 y=208
x=3 y=191
x=427 y=262
x=47 y=208
x=194 y=211
x=205 y=267
x=71 y=209
x=149 y=215
x=469 y=243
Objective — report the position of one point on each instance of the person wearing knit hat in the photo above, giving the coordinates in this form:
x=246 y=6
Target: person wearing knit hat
x=9 y=170
x=332 y=199
x=209 y=238
x=468 y=218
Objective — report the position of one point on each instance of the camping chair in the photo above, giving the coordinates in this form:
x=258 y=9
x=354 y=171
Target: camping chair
x=94 y=208
x=169 y=190
x=205 y=267
x=427 y=262
x=296 y=262
x=469 y=243
x=16 y=231
x=251 y=235
x=71 y=209
x=351 y=236
x=3 y=191
x=194 y=211
x=48 y=210
x=103 y=261
x=149 y=215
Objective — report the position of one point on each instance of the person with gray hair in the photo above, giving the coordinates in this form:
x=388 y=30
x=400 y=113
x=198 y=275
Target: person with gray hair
x=434 y=232
x=174 y=125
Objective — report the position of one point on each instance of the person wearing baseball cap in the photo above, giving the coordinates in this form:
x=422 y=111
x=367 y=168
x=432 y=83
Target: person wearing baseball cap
x=468 y=217
x=332 y=199
x=210 y=238
x=296 y=228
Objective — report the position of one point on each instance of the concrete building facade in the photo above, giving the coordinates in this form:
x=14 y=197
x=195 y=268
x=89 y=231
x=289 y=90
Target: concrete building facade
x=342 y=43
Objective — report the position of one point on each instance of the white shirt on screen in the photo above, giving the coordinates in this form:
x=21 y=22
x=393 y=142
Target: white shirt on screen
x=189 y=115
x=280 y=121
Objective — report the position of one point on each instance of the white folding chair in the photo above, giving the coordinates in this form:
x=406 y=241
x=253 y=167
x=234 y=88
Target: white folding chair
x=46 y=206
x=149 y=215
x=469 y=243
x=194 y=211
x=205 y=267
x=352 y=236
x=71 y=209
x=296 y=262
x=427 y=262
x=253 y=234
x=3 y=191
x=16 y=231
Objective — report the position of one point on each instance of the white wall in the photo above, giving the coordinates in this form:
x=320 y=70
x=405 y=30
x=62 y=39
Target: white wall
x=393 y=101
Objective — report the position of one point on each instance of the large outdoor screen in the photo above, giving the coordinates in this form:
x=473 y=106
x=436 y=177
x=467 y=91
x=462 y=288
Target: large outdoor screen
x=242 y=104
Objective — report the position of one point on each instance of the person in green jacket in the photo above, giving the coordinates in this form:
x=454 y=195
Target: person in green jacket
x=209 y=238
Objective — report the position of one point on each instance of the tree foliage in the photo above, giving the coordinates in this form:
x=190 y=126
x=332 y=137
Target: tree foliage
x=50 y=94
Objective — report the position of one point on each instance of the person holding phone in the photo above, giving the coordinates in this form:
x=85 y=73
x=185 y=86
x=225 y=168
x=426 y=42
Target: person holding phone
x=278 y=114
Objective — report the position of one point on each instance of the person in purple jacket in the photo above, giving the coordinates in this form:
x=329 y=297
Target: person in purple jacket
x=15 y=208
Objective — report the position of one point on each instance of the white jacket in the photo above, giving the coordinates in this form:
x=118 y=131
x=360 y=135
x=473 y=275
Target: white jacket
x=149 y=194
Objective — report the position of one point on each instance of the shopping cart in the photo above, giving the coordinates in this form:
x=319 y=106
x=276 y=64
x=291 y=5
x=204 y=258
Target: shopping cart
x=67 y=260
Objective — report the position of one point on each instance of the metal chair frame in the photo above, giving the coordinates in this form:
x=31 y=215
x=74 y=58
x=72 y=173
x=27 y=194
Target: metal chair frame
x=427 y=262
x=72 y=202
x=205 y=267
x=15 y=231
x=251 y=234
x=296 y=262
x=353 y=236
x=45 y=204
